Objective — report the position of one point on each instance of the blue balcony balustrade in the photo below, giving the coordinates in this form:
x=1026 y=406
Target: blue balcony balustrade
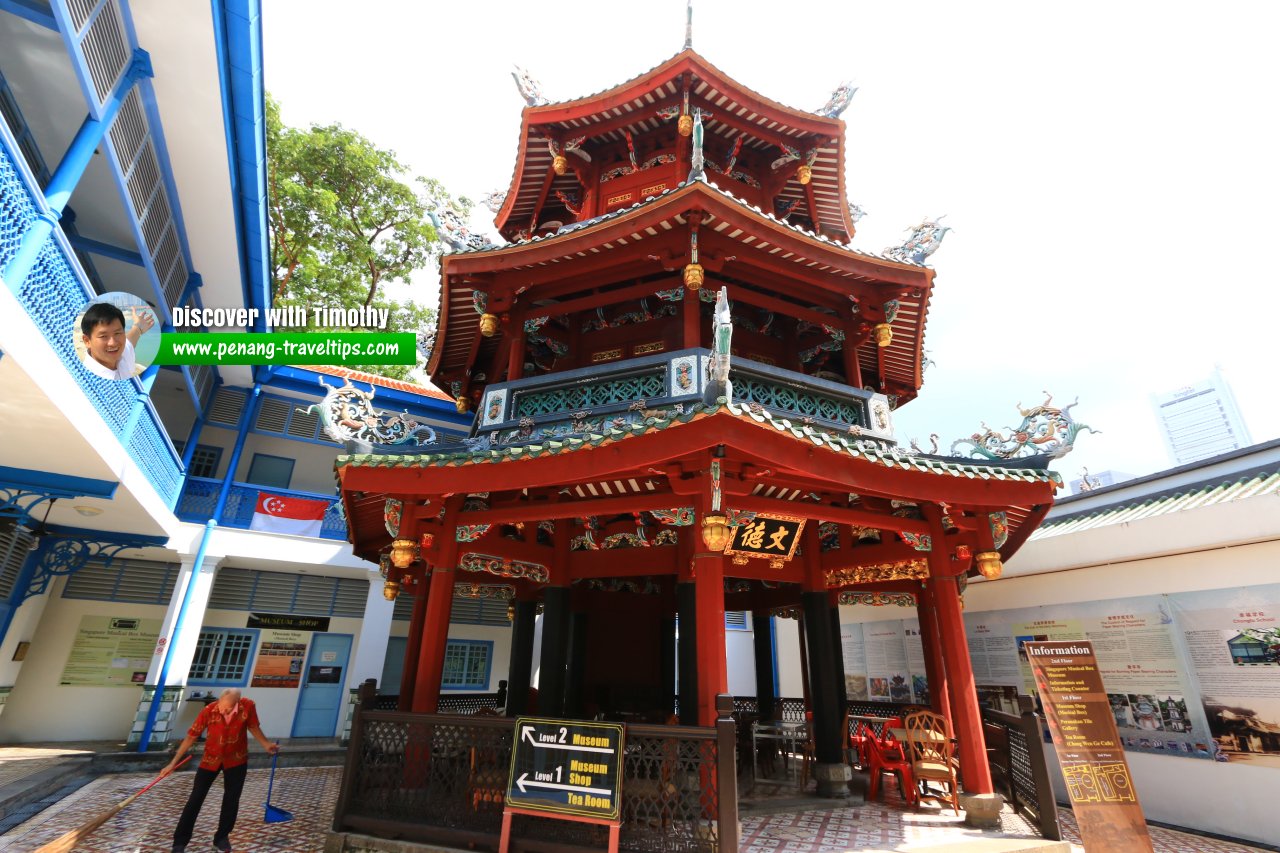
x=53 y=293
x=595 y=398
x=200 y=496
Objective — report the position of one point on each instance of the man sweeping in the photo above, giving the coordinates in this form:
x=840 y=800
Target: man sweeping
x=229 y=721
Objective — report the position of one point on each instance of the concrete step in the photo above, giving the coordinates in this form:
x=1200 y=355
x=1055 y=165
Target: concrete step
x=20 y=797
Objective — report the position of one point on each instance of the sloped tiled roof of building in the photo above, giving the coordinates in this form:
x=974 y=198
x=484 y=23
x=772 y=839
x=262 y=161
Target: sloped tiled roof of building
x=374 y=379
x=1221 y=490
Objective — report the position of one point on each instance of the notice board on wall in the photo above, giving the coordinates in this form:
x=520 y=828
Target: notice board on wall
x=111 y=651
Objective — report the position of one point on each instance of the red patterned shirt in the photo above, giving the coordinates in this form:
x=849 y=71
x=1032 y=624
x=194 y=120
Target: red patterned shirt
x=227 y=744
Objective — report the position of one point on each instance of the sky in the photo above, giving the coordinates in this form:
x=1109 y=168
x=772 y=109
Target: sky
x=1109 y=169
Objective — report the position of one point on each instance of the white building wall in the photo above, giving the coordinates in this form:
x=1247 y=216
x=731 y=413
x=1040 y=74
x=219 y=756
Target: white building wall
x=1229 y=798
x=39 y=709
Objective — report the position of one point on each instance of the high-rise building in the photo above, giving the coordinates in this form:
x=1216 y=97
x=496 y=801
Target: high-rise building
x=1201 y=420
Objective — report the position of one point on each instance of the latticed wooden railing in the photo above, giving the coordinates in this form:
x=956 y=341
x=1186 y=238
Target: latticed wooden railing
x=1015 y=751
x=441 y=778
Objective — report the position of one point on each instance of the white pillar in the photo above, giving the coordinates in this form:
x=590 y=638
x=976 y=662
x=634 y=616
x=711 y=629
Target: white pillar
x=371 y=646
x=375 y=630
x=183 y=639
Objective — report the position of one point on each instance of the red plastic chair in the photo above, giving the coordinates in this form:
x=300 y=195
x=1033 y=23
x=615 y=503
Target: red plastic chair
x=886 y=756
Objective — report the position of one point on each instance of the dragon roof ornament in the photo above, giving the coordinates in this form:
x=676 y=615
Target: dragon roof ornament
x=924 y=241
x=347 y=414
x=530 y=89
x=839 y=101
x=453 y=230
x=1045 y=431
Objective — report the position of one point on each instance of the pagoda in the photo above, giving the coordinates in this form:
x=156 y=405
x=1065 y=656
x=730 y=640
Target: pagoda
x=684 y=381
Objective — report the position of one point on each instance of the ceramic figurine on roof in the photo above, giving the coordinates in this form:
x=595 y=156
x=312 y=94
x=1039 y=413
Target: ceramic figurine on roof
x=718 y=384
x=1045 y=431
x=530 y=89
x=494 y=200
x=924 y=241
x=839 y=101
x=451 y=228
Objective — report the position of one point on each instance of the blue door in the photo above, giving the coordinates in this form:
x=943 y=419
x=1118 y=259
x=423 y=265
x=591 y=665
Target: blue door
x=324 y=686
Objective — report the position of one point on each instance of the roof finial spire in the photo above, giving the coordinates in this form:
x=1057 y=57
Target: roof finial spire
x=688 y=26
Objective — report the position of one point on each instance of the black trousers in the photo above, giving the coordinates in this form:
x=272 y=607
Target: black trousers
x=232 y=785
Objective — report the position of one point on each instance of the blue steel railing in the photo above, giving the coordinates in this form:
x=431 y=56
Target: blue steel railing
x=200 y=497
x=53 y=294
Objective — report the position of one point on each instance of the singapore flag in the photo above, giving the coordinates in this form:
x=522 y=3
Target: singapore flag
x=298 y=516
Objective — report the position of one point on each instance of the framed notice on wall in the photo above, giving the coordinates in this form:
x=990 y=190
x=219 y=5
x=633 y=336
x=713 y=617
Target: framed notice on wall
x=111 y=651
x=279 y=660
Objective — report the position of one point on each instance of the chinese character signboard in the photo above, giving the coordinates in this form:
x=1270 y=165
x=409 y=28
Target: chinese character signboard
x=566 y=768
x=769 y=537
x=1089 y=748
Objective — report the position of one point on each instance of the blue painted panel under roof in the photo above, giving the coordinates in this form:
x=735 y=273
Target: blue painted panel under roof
x=238 y=33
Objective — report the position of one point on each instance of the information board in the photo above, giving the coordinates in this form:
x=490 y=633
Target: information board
x=566 y=767
x=111 y=651
x=1084 y=731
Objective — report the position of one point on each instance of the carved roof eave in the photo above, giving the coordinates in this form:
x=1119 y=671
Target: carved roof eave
x=867 y=467
x=686 y=61
x=696 y=195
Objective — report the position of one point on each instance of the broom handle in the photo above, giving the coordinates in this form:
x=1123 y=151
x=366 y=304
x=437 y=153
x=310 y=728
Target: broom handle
x=275 y=756
x=69 y=840
x=158 y=778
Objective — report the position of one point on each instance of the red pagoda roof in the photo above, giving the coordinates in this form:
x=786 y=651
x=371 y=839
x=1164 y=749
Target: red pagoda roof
x=633 y=234
x=732 y=111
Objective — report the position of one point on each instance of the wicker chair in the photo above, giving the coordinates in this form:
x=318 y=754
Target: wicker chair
x=930 y=751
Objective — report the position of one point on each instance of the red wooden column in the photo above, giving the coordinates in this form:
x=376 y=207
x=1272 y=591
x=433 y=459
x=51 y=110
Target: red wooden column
x=692 y=307
x=935 y=669
x=435 y=631
x=412 y=647
x=966 y=716
x=713 y=668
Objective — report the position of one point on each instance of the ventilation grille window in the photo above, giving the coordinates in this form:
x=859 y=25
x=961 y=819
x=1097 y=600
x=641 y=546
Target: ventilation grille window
x=228 y=403
x=304 y=424
x=277 y=592
x=479 y=611
x=15 y=540
x=135 y=581
x=404 y=608
x=273 y=415
x=736 y=620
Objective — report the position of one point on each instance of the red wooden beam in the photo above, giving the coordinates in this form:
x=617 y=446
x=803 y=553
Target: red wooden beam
x=542 y=197
x=537 y=511
x=623 y=562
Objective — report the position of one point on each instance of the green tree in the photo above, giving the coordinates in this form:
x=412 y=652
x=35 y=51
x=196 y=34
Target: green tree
x=346 y=220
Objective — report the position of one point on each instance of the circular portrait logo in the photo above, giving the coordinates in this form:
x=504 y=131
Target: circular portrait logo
x=117 y=336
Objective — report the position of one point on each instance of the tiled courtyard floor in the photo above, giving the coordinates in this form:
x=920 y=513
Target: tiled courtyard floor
x=310 y=793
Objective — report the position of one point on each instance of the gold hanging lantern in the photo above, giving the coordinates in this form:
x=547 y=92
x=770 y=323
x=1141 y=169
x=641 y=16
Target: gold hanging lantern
x=560 y=164
x=694 y=276
x=715 y=532
x=804 y=174
x=488 y=325
x=511 y=611
x=461 y=405
x=685 y=125
x=989 y=565
x=391 y=590
x=883 y=333
x=403 y=553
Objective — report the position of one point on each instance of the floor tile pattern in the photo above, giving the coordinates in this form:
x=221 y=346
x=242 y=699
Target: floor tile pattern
x=146 y=826
x=310 y=793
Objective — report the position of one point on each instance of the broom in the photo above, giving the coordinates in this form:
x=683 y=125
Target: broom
x=75 y=836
